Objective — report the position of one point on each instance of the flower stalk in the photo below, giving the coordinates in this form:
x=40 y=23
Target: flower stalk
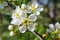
x=38 y=35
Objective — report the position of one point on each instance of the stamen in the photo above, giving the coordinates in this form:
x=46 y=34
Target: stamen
x=26 y=21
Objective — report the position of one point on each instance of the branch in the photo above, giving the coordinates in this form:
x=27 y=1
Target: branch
x=38 y=35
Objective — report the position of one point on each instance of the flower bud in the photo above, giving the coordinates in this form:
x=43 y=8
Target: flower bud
x=12 y=33
x=44 y=35
x=10 y=27
x=23 y=6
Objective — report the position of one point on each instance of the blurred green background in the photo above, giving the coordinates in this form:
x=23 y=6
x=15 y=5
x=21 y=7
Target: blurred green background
x=43 y=20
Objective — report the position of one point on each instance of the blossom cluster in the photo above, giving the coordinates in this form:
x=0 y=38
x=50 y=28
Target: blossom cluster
x=54 y=29
x=24 y=17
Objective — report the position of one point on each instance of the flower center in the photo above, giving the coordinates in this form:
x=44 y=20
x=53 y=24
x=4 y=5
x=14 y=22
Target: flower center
x=25 y=21
x=17 y=15
x=33 y=8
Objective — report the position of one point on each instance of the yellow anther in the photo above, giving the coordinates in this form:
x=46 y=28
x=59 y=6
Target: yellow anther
x=44 y=35
x=26 y=21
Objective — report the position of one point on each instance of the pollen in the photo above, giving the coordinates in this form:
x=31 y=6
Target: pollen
x=25 y=21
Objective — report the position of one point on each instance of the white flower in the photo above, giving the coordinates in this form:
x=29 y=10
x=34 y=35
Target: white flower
x=30 y=27
x=51 y=26
x=18 y=13
x=12 y=33
x=16 y=21
x=35 y=8
x=26 y=8
x=10 y=27
x=28 y=23
x=57 y=25
x=54 y=28
x=20 y=18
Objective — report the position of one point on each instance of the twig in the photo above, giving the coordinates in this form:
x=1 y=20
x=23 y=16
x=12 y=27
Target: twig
x=39 y=36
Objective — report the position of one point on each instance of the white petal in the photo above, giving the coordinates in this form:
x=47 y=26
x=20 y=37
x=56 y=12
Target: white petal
x=51 y=26
x=32 y=17
x=16 y=21
x=17 y=9
x=23 y=6
x=40 y=9
x=35 y=4
x=37 y=13
x=16 y=13
x=57 y=25
x=13 y=16
x=31 y=27
x=23 y=15
x=28 y=9
x=22 y=28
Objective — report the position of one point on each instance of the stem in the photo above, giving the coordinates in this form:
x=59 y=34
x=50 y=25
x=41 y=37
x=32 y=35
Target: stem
x=36 y=34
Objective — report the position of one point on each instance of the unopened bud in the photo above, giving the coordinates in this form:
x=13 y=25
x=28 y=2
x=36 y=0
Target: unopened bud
x=10 y=27
x=12 y=33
